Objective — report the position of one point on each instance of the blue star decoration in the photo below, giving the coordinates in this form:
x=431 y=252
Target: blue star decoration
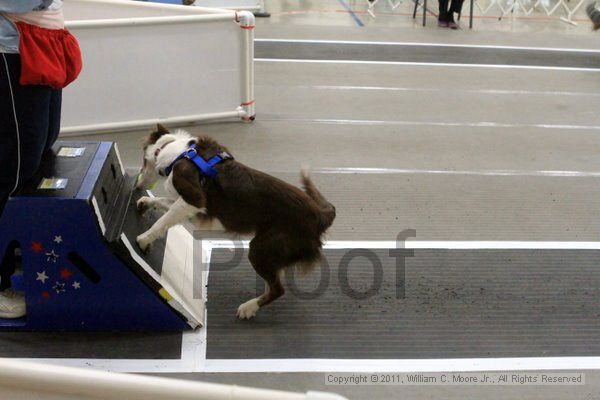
x=59 y=287
x=52 y=256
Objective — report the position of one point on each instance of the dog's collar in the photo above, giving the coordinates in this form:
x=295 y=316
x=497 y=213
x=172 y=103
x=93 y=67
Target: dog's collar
x=206 y=167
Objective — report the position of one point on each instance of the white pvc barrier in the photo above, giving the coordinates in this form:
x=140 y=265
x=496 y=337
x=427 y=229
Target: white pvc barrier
x=145 y=63
x=251 y=5
x=24 y=381
x=372 y=3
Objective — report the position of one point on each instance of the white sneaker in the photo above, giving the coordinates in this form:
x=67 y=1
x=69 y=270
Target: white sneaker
x=12 y=304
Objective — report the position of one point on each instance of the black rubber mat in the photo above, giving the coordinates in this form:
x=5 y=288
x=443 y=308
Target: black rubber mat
x=135 y=224
x=460 y=207
x=458 y=303
x=101 y=345
x=426 y=54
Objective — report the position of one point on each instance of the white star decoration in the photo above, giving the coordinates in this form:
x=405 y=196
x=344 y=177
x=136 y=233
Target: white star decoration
x=52 y=256
x=76 y=285
x=58 y=239
x=41 y=276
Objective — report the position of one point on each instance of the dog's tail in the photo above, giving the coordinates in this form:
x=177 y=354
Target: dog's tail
x=327 y=209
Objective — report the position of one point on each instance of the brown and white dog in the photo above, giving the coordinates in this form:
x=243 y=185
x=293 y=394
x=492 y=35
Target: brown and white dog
x=287 y=223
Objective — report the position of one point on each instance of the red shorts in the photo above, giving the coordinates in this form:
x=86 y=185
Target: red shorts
x=49 y=57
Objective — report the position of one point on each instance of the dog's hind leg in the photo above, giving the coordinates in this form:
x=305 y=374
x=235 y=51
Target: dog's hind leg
x=268 y=257
x=274 y=290
x=179 y=212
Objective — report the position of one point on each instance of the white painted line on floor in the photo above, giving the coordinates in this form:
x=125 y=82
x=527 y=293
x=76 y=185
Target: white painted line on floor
x=470 y=245
x=201 y=334
x=482 y=124
x=426 y=64
x=418 y=44
x=193 y=348
x=430 y=365
x=437 y=244
x=499 y=172
x=437 y=90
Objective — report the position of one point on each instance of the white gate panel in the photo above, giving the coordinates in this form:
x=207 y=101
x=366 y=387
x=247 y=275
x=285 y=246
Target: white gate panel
x=145 y=63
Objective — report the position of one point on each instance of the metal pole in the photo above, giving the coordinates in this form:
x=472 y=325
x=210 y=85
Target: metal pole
x=471 y=15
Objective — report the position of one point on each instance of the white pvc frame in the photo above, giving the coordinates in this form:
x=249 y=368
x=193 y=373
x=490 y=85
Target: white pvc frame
x=167 y=14
x=20 y=379
x=249 y=5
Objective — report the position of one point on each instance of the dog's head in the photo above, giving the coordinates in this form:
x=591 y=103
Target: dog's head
x=152 y=145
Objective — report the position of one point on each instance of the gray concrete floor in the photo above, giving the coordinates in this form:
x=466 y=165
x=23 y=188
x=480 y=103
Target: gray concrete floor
x=415 y=119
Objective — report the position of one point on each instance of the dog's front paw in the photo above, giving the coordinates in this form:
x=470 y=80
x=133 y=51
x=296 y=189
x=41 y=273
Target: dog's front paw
x=248 y=309
x=145 y=242
x=143 y=204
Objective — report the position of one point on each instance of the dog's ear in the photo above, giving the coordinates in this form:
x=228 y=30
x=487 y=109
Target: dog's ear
x=154 y=136
x=161 y=129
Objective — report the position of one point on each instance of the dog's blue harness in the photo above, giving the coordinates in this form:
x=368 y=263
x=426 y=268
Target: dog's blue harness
x=206 y=167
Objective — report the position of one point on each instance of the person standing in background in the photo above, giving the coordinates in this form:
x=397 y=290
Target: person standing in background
x=446 y=15
x=38 y=57
x=593 y=11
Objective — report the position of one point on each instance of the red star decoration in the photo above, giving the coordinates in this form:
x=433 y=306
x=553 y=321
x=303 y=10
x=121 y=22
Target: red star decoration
x=65 y=273
x=46 y=295
x=37 y=247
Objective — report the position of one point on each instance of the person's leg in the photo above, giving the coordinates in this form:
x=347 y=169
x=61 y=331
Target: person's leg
x=8 y=136
x=54 y=118
x=593 y=11
x=8 y=262
x=443 y=12
x=25 y=127
x=455 y=7
x=24 y=130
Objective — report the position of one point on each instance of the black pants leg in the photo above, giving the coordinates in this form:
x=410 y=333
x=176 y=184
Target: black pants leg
x=29 y=126
x=54 y=118
x=443 y=7
x=8 y=263
x=456 y=6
